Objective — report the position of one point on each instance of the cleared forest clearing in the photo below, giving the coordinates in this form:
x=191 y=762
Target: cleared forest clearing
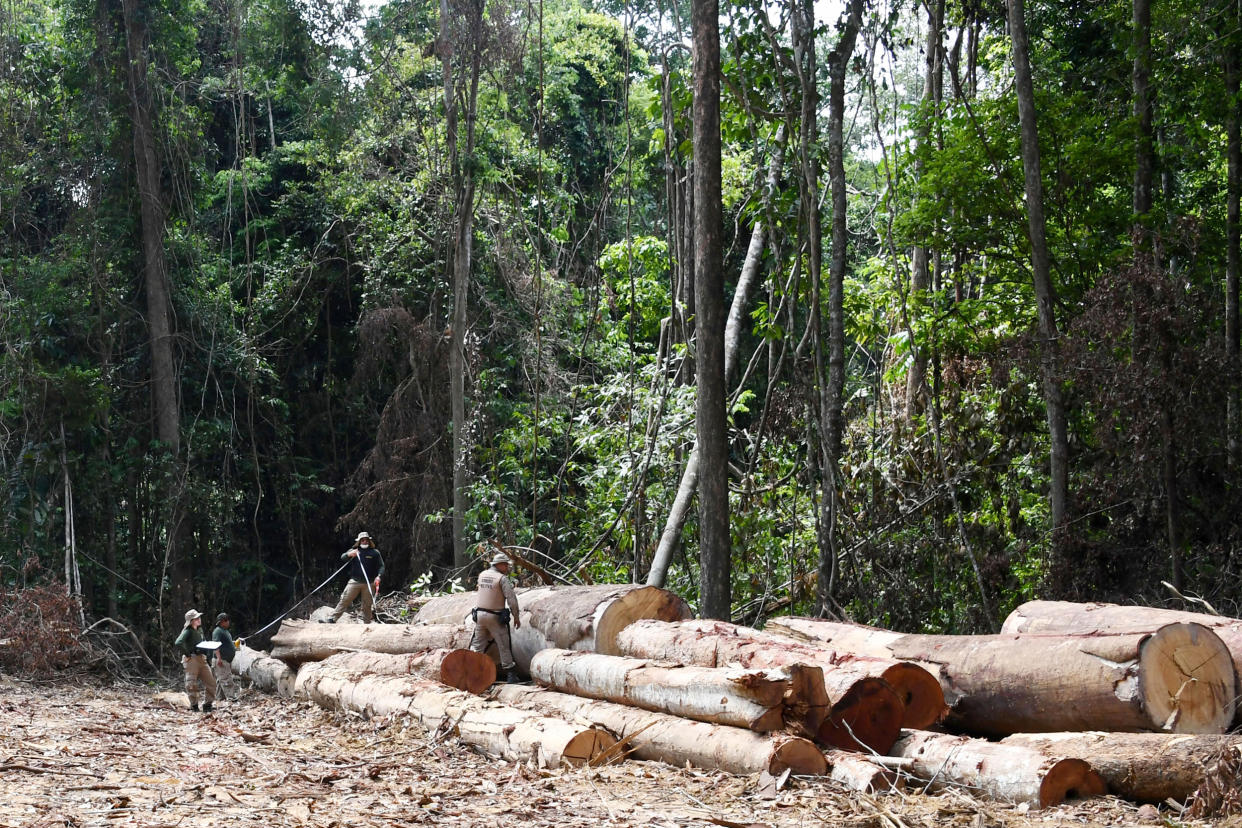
x=74 y=754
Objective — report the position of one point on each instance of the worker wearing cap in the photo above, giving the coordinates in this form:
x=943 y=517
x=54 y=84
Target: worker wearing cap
x=367 y=565
x=494 y=605
x=194 y=661
x=222 y=667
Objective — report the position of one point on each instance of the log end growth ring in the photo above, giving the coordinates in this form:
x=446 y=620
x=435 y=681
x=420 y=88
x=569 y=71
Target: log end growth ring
x=921 y=693
x=468 y=670
x=867 y=718
x=1187 y=680
x=1070 y=779
x=588 y=746
x=799 y=756
x=642 y=603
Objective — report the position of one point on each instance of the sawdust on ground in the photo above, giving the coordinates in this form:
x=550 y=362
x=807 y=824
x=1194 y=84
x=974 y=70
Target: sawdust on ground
x=80 y=753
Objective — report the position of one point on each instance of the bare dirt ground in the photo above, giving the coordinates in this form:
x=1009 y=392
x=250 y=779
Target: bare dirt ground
x=86 y=754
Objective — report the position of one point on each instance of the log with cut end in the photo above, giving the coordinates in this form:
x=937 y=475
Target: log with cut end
x=567 y=617
x=994 y=770
x=497 y=729
x=865 y=712
x=1144 y=767
x=676 y=741
x=271 y=675
x=1071 y=617
x=1177 y=678
x=300 y=641
x=757 y=699
x=461 y=669
x=856 y=772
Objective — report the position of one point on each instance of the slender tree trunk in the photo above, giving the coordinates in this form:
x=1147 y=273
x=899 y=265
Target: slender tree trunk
x=832 y=403
x=1045 y=296
x=1233 y=238
x=153 y=211
x=463 y=237
x=715 y=546
x=1144 y=147
x=920 y=277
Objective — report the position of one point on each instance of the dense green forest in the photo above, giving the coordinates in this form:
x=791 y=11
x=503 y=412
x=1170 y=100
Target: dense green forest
x=273 y=272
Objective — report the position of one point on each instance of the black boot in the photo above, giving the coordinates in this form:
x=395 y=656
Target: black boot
x=206 y=707
x=194 y=706
x=512 y=677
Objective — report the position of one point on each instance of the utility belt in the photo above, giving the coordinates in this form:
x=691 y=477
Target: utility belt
x=504 y=616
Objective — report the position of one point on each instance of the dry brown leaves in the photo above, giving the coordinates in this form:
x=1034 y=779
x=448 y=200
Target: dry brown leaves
x=122 y=756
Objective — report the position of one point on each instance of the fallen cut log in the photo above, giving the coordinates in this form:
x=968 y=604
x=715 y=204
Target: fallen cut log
x=461 y=669
x=857 y=772
x=1071 y=617
x=567 y=617
x=271 y=675
x=1178 y=678
x=676 y=741
x=762 y=700
x=994 y=770
x=865 y=712
x=297 y=641
x=497 y=729
x=1144 y=767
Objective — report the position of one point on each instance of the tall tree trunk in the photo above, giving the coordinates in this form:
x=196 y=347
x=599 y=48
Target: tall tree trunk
x=153 y=211
x=920 y=276
x=1041 y=272
x=1233 y=238
x=463 y=237
x=1144 y=146
x=832 y=402
x=715 y=546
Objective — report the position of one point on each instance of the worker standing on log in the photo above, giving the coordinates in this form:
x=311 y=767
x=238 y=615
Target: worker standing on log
x=194 y=661
x=364 y=578
x=491 y=615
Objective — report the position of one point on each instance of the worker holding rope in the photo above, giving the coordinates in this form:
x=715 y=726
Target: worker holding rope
x=366 y=565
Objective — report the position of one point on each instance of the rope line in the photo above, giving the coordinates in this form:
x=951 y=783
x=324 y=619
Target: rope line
x=281 y=617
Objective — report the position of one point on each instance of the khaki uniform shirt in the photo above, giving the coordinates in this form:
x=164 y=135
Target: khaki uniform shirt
x=495 y=591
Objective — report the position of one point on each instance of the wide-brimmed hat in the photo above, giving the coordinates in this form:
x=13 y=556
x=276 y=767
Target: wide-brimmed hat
x=362 y=535
x=501 y=558
x=190 y=615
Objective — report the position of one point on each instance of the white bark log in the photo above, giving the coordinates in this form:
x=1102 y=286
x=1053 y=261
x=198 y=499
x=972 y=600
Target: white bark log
x=760 y=700
x=271 y=675
x=298 y=641
x=676 y=741
x=1005 y=773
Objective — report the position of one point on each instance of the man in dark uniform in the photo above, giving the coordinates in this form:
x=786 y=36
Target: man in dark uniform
x=364 y=578
x=222 y=667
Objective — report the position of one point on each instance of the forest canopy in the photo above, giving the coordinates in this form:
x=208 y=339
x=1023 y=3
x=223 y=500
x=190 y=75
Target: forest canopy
x=274 y=272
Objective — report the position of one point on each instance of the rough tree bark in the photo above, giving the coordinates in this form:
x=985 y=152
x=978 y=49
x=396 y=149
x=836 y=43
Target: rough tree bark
x=1090 y=618
x=1143 y=767
x=711 y=422
x=271 y=675
x=496 y=729
x=296 y=641
x=762 y=700
x=865 y=712
x=456 y=668
x=1006 y=773
x=660 y=737
x=1177 y=677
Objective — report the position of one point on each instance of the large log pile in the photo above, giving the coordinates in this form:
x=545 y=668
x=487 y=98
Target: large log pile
x=627 y=673
x=1177 y=678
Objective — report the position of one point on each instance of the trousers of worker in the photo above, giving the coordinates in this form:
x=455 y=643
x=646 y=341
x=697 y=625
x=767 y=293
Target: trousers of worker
x=226 y=688
x=198 y=674
x=488 y=629
x=352 y=592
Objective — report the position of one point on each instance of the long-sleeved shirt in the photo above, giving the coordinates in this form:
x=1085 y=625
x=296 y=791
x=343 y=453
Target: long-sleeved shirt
x=368 y=566
x=188 y=641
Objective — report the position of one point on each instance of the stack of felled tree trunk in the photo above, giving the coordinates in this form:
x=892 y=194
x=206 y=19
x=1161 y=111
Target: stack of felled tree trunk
x=1037 y=714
